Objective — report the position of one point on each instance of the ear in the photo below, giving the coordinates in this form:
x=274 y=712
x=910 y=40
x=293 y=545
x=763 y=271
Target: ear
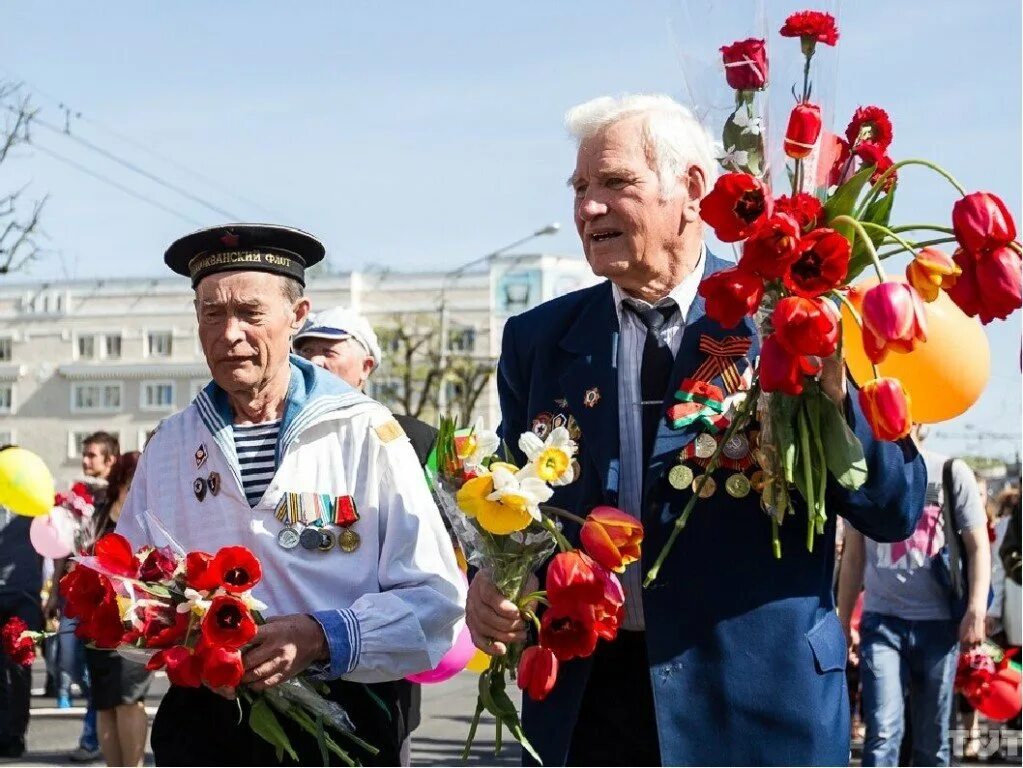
x=367 y=368
x=300 y=312
x=695 y=182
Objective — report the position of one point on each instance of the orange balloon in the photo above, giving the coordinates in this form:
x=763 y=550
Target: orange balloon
x=944 y=375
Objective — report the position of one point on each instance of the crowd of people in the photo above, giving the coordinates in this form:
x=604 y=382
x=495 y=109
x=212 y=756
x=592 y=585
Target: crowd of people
x=736 y=657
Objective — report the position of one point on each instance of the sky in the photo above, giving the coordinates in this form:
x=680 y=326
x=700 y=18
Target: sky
x=409 y=134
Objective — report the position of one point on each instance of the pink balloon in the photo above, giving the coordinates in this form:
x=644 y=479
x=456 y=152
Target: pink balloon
x=46 y=539
x=454 y=661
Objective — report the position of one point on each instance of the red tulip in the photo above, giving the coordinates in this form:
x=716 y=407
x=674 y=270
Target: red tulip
x=608 y=612
x=83 y=590
x=116 y=556
x=184 y=667
x=538 y=671
x=228 y=622
x=803 y=131
x=221 y=667
x=198 y=573
x=886 y=407
x=870 y=125
x=771 y=247
x=893 y=320
x=162 y=626
x=806 y=326
x=731 y=294
x=574 y=577
x=989 y=287
x=804 y=208
x=236 y=569
x=736 y=204
x=102 y=626
x=784 y=372
x=931 y=270
x=981 y=221
x=745 y=64
x=612 y=537
x=821 y=265
x=568 y=630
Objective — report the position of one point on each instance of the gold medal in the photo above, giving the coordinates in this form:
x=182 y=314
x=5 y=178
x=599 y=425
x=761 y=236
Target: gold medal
x=348 y=540
x=758 y=480
x=680 y=477
x=705 y=445
x=737 y=486
x=706 y=486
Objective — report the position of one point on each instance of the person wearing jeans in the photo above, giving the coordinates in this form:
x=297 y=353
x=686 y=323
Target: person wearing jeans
x=908 y=638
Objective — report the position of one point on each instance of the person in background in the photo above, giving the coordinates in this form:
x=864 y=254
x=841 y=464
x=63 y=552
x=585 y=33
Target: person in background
x=21 y=579
x=118 y=686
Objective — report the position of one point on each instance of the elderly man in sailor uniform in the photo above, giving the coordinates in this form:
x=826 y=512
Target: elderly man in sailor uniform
x=314 y=477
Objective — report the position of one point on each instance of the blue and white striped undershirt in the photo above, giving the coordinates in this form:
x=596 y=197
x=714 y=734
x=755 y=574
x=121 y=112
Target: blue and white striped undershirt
x=256 y=446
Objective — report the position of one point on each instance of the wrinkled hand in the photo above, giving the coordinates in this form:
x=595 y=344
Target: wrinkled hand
x=971 y=629
x=494 y=621
x=282 y=649
x=832 y=378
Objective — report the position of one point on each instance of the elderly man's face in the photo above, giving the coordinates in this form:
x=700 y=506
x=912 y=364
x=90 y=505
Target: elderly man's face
x=345 y=358
x=245 y=327
x=628 y=232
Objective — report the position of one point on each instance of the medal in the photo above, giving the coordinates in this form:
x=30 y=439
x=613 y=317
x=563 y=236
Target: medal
x=287 y=537
x=199 y=488
x=736 y=447
x=680 y=477
x=705 y=445
x=348 y=540
x=591 y=397
x=200 y=455
x=326 y=541
x=309 y=538
x=706 y=486
x=213 y=481
x=737 y=486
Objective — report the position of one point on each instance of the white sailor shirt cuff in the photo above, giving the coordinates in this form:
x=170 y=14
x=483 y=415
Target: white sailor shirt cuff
x=344 y=641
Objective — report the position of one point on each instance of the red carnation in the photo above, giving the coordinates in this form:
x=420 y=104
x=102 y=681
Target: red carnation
x=116 y=556
x=736 y=204
x=771 y=247
x=221 y=667
x=870 y=125
x=198 y=573
x=18 y=646
x=745 y=64
x=821 y=265
x=159 y=565
x=730 y=295
x=804 y=208
x=812 y=27
x=236 y=569
x=184 y=667
x=781 y=371
x=806 y=326
x=228 y=622
x=568 y=630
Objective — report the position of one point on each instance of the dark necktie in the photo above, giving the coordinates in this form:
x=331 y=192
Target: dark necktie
x=655 y=371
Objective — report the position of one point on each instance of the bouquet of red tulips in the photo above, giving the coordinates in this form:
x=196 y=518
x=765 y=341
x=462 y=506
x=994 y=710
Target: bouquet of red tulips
x=190 y=614
x=800 y=252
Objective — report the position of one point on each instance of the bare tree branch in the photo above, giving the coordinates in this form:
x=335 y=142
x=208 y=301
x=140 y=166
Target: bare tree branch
x=18 y=244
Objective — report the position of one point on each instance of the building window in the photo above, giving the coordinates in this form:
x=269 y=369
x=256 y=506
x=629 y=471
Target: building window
x=144 y=434
x=86 y=347
x=158 y=343
x=462 y=339
x=195 y=387
x=76 y=437
x=103 y=396
x=387 y=390
x=6 y=351
x=6 y=398
x=157 y=395
x=112 y=346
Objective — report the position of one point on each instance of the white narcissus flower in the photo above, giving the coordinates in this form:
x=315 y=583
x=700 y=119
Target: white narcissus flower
x=519 y=490
x=252 y=603
x=477 y=447
x=194 y=601
x=550 y=459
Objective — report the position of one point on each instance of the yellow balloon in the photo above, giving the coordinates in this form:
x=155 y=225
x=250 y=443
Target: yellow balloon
x=943 y=376
x=26 y=485
x=479 y=662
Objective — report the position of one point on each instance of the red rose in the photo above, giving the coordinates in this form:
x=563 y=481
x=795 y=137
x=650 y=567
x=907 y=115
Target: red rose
x=806 y=326
x=803 y=131
x=771 y=247
x=236 y=569
x=161 y=625
x=198 y=574
x=821 y=265
x=886 y=407
x=228 y=622
x=103 y=626
x=989 y=286
x=781 y=371
x=18 y=646
x=745 y=64
x=159 y=565
x=83 y=589
x=870 y=125
x=731 y=294
x=812 y=27
x=612 y=537
x=538 y=671
x=221 y=667
x=893 y=320
x=981 y=221
x=115 y=555
x=736 y=204
x=930 y=271
x=804 y=208
x=568 y=630
x=184 y=667
x=573 y=577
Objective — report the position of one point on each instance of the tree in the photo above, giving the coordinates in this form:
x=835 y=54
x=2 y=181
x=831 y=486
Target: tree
x=468 y=376
x=409 y=377
x=18 y=231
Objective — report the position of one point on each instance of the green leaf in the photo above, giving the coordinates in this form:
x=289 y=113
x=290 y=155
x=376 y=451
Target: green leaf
x=878 y=212
x=265 y=724
x=842 y=449
x=843 y=200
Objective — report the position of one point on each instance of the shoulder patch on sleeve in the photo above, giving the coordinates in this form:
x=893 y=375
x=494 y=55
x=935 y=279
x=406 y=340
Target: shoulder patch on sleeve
x=389 y=430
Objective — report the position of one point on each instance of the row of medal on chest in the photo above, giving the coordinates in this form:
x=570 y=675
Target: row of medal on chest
x=739 y=454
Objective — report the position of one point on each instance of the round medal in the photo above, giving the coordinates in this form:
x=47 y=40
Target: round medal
x=348 y=540
x=706 y=486
x=309 y=538
x=737 y=447
x=680 y=477
x=705 y=445
x=287 y=537
x=737 y=486
x=326 y=541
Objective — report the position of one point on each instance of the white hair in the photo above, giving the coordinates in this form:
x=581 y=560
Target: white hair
x=674 y=139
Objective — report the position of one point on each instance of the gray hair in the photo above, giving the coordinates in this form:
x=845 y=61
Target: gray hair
x=674 y=139
x=292 y=289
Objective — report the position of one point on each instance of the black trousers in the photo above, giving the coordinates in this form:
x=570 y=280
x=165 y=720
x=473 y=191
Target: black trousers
x=616 y=724
x=195 y=726
x=16 y=680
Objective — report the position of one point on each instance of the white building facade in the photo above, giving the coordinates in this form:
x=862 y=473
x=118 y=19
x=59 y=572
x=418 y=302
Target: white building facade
x=121 y=354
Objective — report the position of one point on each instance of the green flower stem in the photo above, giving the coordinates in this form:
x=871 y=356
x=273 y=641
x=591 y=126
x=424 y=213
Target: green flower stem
x=806 y=76
x=918 y=227
x=563 y=544
x=888 y=233
x=919 y=245
x=858 y=226
x=775 y=538
x=473 y=725
x=857 y=318
x=875 y=190
x=562 y=513
x=680 y=523
x=811 y=490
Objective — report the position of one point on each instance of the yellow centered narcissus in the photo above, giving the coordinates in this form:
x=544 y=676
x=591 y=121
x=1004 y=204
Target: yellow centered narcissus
x=497 y=517
x=551 y=459
x=551 y=464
